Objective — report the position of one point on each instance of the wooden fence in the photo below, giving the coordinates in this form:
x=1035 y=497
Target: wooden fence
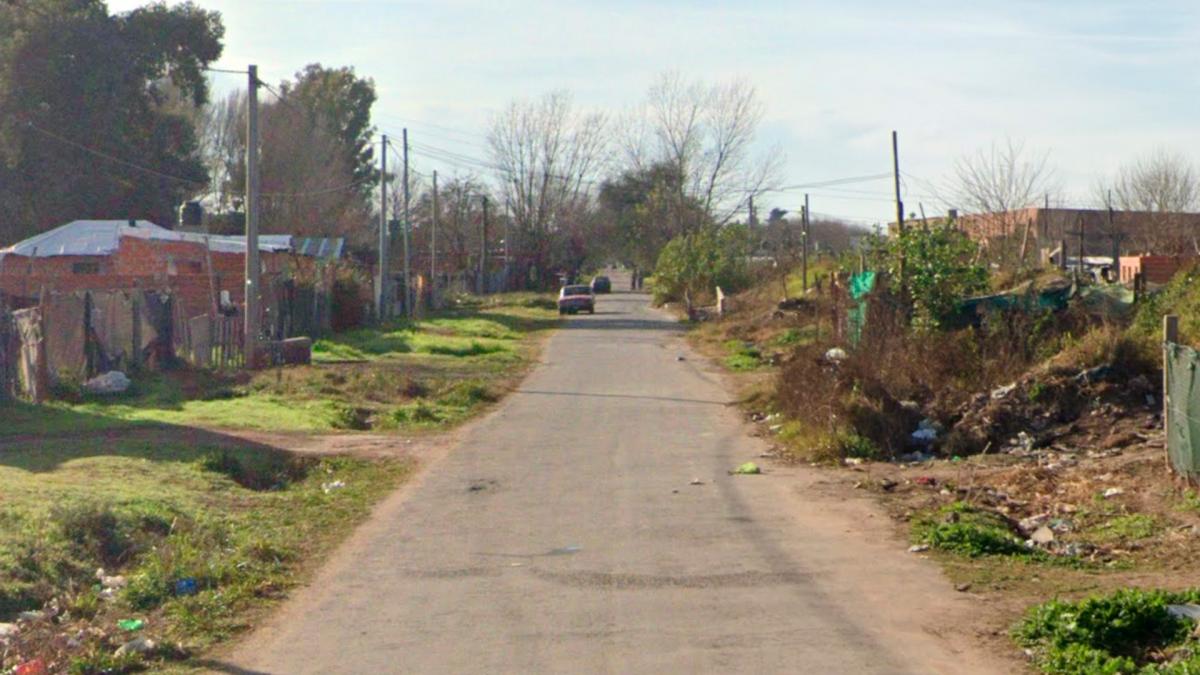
x=211 y=342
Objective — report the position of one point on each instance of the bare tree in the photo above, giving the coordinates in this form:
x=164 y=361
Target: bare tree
x=1165 y=184
x=546 y=155
x=705 y=132
x=219 y=132
x=999 y=181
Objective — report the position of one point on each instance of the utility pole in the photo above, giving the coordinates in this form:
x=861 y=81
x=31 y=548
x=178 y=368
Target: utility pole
x=804 y=247
x=381 y=274
x=899 y=202
x=483 y=248
x=750 y=218
x=1079 y=233
x=252 y=328
x=433 y=242
x=1116 y=242
x=408 y=294
x=508 y=215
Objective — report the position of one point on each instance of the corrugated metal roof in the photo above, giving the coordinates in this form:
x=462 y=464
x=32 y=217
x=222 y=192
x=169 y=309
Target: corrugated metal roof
x=102 y=237
x=327 y=248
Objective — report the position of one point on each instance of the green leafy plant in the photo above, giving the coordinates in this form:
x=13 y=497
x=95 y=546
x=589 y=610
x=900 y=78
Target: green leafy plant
x=1115 y=633
x=694 y=264
x=940 y=268
x=966 y=530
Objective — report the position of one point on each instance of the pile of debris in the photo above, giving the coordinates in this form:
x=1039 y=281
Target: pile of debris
x=1052 y=409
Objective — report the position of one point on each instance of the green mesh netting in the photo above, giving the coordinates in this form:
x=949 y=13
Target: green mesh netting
x=1183 y=408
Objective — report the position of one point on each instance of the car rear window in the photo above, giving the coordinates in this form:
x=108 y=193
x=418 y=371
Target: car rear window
x=577 y=290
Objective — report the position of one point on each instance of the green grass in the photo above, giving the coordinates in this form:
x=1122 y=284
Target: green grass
x=743 y=356
x=965 y=530
x=1127 y=528
x=357 y=382
x=244 y=522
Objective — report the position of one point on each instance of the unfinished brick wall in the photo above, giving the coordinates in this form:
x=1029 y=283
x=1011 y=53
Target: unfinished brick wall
x=192 y=274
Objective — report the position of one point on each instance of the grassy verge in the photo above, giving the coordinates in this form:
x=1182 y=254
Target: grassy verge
x=199 y=539
x=408 y=375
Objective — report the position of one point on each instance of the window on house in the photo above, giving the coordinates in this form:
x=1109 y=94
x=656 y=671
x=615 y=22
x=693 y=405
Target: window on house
x=85 y=268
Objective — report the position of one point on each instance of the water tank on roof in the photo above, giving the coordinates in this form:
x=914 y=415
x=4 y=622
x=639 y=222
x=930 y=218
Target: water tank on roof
x=191 y=214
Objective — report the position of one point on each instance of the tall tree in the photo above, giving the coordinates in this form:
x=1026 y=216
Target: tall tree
x=706 y=133
x=340 y=103
x=1001 y=180
x=638 y=210
x=84 y=131
x=546 y=155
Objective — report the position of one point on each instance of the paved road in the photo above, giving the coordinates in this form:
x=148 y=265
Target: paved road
x=563 y=536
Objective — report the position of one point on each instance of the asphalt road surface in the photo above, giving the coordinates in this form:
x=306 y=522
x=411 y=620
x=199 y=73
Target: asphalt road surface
x=564 y=535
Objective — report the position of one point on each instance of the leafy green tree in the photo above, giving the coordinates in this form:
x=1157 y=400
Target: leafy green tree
x=940 y=269
x=339 y=103
x=638 y=209
x=79 y=85
x=692 y=265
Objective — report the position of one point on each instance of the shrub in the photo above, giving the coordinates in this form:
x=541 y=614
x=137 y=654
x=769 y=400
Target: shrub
x=940 y=269
x=1107 y=634
x=692 y=265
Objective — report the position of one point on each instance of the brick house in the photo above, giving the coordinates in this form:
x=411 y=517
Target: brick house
x=198 y=269
x=1136 y=231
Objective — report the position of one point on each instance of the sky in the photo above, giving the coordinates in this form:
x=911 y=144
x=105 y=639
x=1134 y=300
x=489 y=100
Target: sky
x=1091 y=83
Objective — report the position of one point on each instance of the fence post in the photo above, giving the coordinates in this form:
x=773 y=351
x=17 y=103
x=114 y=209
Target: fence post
x=1170 y=337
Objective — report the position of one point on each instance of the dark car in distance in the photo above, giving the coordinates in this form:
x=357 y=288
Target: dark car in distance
x=574 y=299
x=601 y=285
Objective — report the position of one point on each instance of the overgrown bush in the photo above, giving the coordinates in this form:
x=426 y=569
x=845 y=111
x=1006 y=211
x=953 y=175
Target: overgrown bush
x=940 y=268
x=692 y=265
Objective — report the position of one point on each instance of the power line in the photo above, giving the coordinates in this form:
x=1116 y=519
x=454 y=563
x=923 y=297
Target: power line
x=113 y=158
x=832 y=182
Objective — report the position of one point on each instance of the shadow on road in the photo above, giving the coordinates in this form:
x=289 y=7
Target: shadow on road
x=222 y=667
x=582 y=394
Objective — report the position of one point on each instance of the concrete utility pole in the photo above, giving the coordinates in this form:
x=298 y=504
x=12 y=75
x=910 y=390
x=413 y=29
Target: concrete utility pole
x=804 y=246
x=408 y=294
x=252 y=318
x=381 y=275
x=483 y=249
x=433 y=241
x=899 y=202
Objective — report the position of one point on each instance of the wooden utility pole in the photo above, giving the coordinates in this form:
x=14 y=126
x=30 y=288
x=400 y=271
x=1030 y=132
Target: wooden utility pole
x=252 y=318
x=381 y=274
x=804 y=247
x=899 y=202
x=433 y=242
x=408 y=294
x=483 y=249
x=750 y=218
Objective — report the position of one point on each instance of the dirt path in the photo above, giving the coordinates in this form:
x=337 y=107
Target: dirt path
x=565 y=534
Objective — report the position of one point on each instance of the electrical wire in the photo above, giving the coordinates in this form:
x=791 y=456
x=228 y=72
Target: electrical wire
x=112 y=158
